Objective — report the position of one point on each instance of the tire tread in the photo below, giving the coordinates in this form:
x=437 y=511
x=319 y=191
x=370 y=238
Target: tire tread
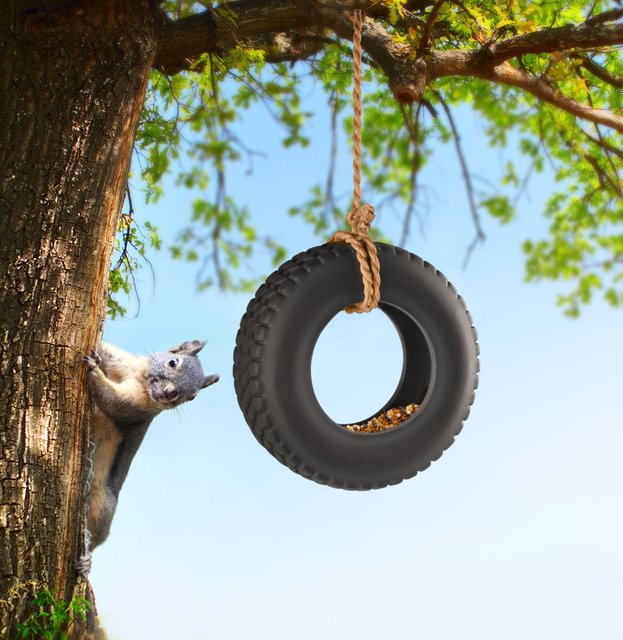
x=261 y=310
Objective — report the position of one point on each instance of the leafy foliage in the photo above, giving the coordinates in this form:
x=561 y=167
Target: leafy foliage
x=188 y=129
x=132 y=243
x=50 y=618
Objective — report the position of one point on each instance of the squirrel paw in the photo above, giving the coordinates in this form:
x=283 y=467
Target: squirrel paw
x=93 y=361
x=83 y=566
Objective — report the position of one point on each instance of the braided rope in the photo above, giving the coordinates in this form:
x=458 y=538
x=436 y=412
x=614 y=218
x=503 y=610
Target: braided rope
x=357 y=107
x=86 y=540
x=360 y=217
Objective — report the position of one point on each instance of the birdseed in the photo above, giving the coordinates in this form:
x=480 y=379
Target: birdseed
x=385 y=421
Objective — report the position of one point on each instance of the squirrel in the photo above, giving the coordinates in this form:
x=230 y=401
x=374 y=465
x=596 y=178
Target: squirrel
x=129 y=391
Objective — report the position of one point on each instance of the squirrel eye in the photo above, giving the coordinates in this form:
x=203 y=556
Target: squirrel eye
x=173 y=362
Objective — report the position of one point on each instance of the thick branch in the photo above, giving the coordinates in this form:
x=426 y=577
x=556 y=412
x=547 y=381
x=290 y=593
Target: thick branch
x=589 y=35
x=249 y=23
x=182 y=41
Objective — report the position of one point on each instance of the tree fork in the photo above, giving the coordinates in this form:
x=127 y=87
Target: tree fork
x=72 y=82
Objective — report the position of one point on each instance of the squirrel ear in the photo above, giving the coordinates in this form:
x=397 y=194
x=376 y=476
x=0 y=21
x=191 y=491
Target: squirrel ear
x=208 y=380
x=190 y=347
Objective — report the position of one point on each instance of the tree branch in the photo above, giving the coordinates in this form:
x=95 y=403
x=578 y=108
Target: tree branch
x=425 y=38
x=604 y=145
x=412 y=124
x=589 y=35
x=467 y=179
x=245 y=22
x=181 y=41
x=507 y=74
x=603 y=74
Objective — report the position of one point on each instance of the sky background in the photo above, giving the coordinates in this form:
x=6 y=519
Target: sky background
x=514 y=533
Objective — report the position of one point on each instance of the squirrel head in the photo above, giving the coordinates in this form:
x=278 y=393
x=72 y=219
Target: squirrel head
x=175 y=376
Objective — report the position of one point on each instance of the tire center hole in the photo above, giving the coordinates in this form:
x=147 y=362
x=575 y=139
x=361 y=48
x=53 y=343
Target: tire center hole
x=356 y=365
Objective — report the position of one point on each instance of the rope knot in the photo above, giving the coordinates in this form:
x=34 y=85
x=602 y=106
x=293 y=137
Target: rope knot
x=359 y=239
x=360 y=219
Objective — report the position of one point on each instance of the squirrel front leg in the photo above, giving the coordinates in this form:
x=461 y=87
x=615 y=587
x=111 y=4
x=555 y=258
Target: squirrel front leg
x=128 y=399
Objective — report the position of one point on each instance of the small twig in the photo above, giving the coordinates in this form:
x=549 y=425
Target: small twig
x=406 y=224
x=605 y=179
x=329 y=200
x=428 y=27
x=216 y=256
x=413 y=128
x=429 y=107
x=600 y=137
x=134 y=288
x=606 y=16
x=603 y=74
x=604 y=144
x=603 y=176
x=523 y=186
x=177 y=102
x=126 y=219
x=469 y=187
x=472 y=17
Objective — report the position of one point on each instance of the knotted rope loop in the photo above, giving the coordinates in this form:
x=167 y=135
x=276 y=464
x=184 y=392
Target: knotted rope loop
x=361 y=219
x=360 y=216
x=365 y=250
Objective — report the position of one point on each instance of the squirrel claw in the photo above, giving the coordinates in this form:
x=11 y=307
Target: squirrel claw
x=92 y=361
x=83 y=566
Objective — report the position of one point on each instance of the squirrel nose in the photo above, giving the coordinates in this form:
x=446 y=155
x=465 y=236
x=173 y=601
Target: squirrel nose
x=170 y=392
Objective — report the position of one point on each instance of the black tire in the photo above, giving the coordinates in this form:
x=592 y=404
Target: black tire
x=272 y=367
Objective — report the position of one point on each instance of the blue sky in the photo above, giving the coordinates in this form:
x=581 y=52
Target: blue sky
x=514 y=533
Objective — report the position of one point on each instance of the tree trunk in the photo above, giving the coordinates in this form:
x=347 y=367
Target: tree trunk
x=72 y=81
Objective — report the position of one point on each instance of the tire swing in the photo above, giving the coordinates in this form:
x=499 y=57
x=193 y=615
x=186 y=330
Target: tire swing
x=278 y=333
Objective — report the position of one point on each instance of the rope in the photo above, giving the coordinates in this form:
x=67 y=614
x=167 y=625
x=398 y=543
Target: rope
x=359 y=239
x=87 y=491
x=86 y=540
x=360 y=217
x=357 y=107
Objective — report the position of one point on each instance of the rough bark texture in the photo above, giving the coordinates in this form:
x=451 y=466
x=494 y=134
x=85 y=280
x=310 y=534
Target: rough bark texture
x=72 y=81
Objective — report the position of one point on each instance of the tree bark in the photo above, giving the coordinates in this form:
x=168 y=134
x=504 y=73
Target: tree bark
x=72 y=82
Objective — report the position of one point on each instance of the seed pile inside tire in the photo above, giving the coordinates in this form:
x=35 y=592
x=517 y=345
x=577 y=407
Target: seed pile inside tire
x=385 y=421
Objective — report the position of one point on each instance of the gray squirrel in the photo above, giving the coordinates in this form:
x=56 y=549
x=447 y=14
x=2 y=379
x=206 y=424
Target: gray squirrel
x=129 y=391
